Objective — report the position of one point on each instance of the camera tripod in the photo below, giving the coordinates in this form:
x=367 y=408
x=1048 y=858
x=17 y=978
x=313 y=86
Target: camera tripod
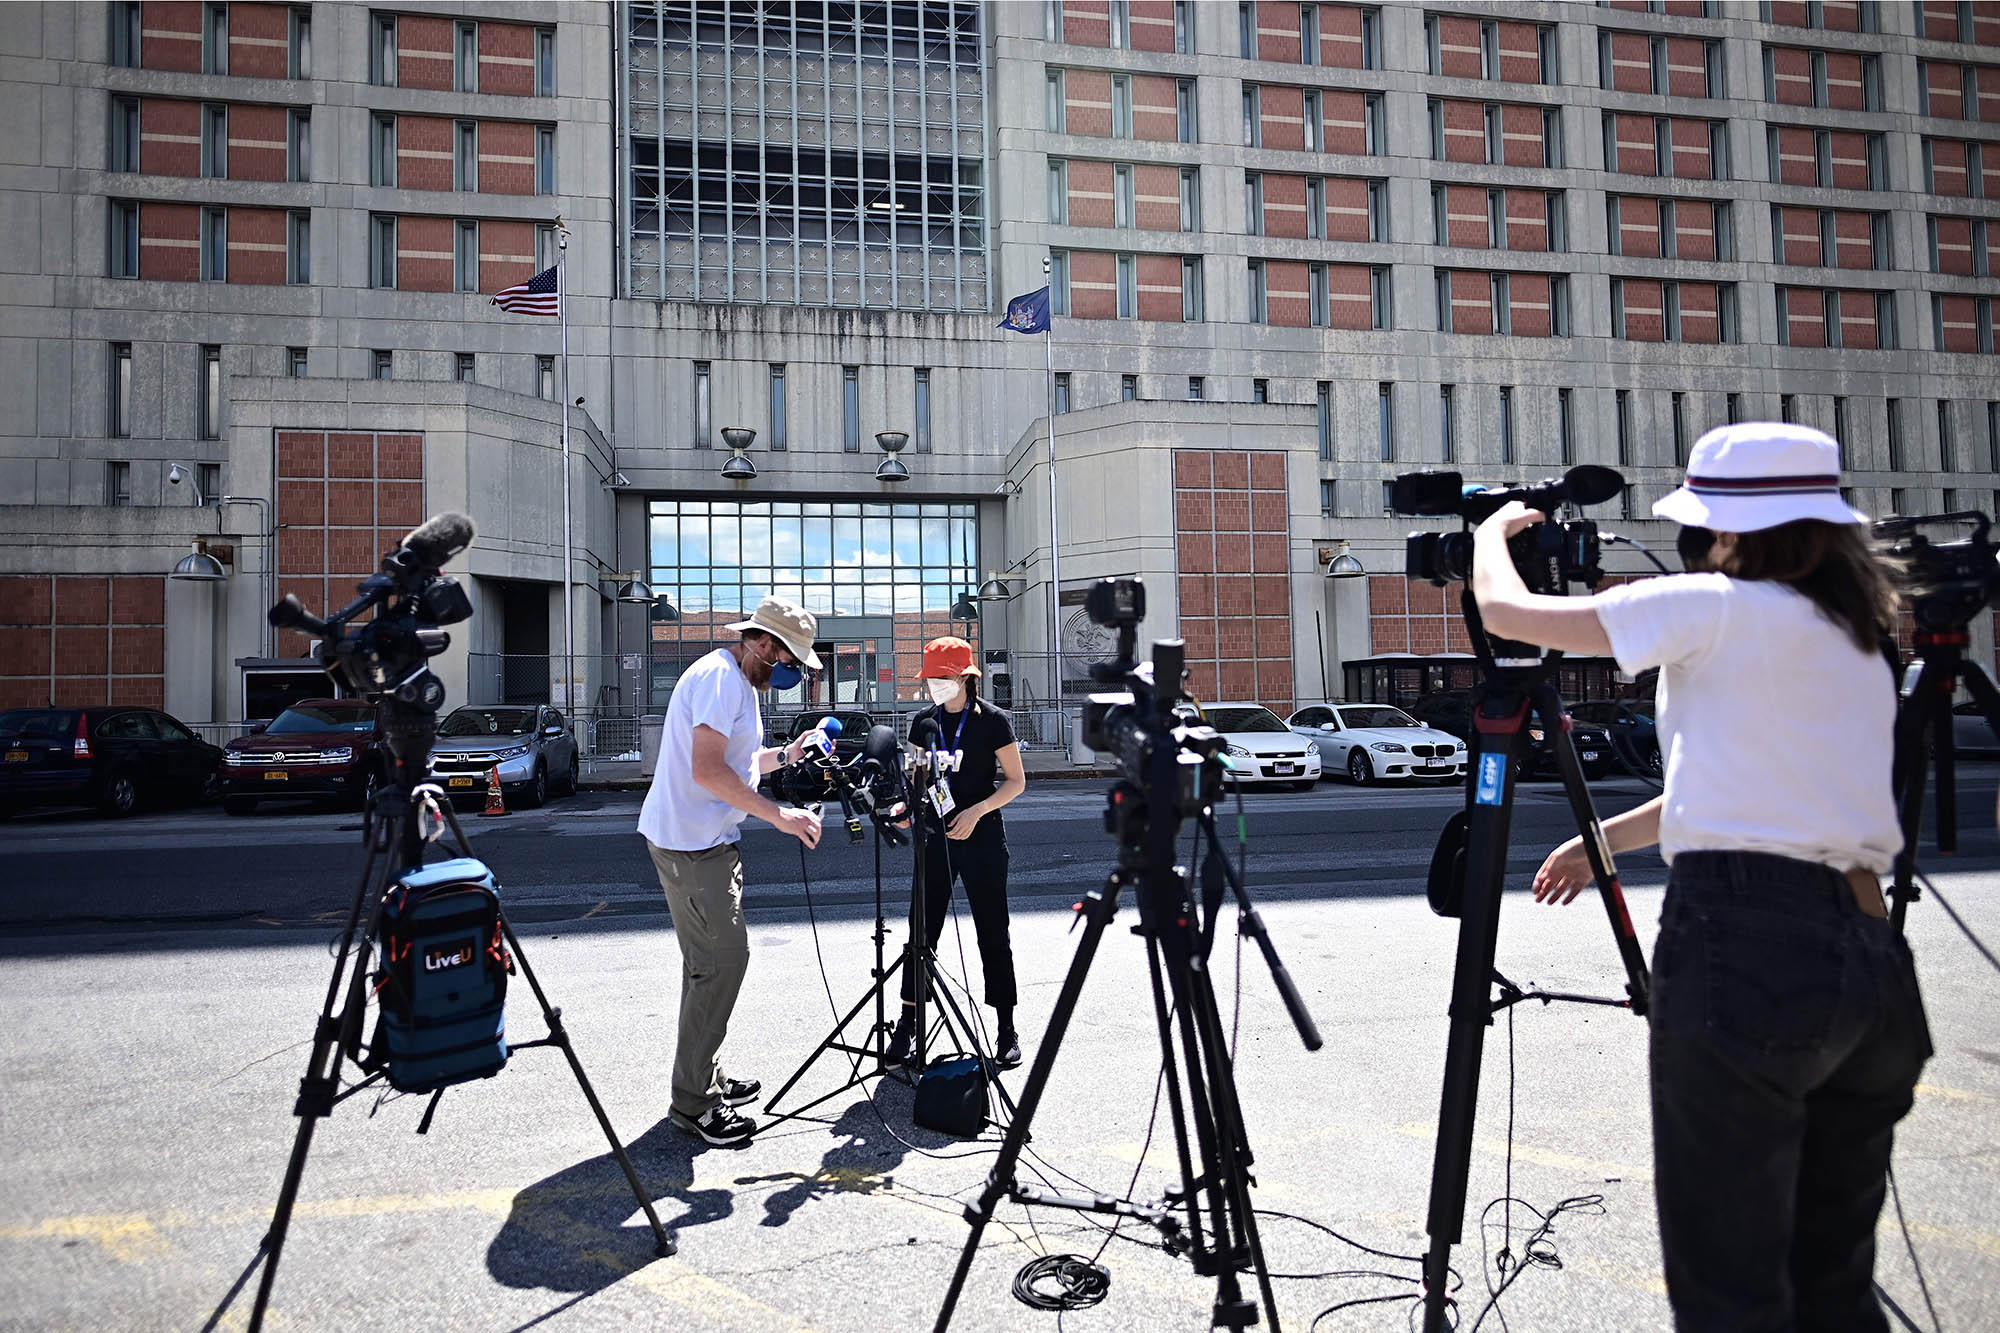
x=1503 y=701
x=394 y=833
x=869 y=1057
x=1924 y=741
x=1219 y=1234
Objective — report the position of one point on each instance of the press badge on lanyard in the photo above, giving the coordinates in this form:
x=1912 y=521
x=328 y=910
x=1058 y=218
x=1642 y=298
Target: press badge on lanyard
x=941 y=798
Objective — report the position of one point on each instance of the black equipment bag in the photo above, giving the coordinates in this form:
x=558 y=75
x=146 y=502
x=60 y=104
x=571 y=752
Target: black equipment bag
x=951 y=1097
x=441 y=985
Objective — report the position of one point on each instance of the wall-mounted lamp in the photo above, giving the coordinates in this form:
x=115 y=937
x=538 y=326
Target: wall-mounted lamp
x=1337 y=562
x=634 y=590
x=891 y=467
x=201 y=565
x=964 y=608
x=736 y=467
x=1007 y=487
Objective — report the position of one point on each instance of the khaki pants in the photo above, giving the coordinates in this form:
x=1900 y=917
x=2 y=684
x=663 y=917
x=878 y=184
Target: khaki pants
x=705 y=894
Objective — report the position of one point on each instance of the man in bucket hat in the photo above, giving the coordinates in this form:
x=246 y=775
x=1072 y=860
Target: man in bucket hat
x=705 y=783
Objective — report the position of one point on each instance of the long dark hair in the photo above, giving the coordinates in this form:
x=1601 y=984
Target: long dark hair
x=1831 y=563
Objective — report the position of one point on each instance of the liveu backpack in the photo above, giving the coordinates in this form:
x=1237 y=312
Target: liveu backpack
x=441 y=983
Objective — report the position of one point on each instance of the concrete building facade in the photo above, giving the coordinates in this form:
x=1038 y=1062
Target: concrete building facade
x=1293 y=250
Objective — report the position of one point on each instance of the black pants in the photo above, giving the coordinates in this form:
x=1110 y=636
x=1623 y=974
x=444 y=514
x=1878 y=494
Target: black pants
x=980 y=863
x=1787 y=1035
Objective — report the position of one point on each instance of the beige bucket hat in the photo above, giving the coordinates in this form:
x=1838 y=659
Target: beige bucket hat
x=795 y=627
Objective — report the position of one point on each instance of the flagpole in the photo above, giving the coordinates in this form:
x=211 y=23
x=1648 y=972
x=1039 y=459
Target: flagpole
x=569 y=619
x=1055 y=546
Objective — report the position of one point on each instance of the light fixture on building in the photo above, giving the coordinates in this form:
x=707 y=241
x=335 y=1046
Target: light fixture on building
x=664 y=611
x=964 y=609
x=616 y=481
x=737 y=467
x=1007 y=487
x=198 y=566
x=891 y=467
x=1341 y=563
x=177 y=473
x=993 y=590
x=634 y=590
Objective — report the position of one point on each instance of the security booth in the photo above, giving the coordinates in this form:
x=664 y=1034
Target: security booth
x=270 y=685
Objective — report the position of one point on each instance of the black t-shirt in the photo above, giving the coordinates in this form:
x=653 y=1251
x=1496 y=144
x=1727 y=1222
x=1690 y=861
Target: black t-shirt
x=971 y=739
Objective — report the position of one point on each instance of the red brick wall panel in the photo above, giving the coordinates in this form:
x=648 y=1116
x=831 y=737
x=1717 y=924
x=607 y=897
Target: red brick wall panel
x=1086 y=22
x=82 y=652
x=138 y=600
x=1791 y=75
x=1458 y=47
x=1948 y=174
x=1520 y=53
x=80 y=692
x=1631 y=62
x=1790 y=13
x=170 y=35
x=1853 y=240
x=1464 y=131
x=424 y=152
x=1087 y=103
x=1940 y=20
x=170 y=242
x=1688 y=142
x=1346 y=209
x=1987 y=90
x=257 y=141
x=1639 y=227
x=26 y=650
x=1687 y=67
x=1284 y=205
x=400 y=456
x=348 y=454
x=1694 y=229
x=82 y=640
x=1278 y=31
x=1645 y=310
x=1944 y=90
x=1799 y=231
x=506 y=254
x=1841 y=15
x=424 y=52
x=1346 y=115
x=507 y=59
x=1471 y=302
x=424 y=254
x=1961 y=324
x=1152 y=24
x=1849 y=151
x=302 y=502
x=169 y=137
x=351 y=504
x=1798 y=157
x=82 y=600
x=399 y=504
x=1701 y=317
x=257 y=245
x=1093 y=285
x=1857 y=320
x=1281 y=117
x=260 y=40
x=1522 y=143
x=1465 y=219
x=1156 y=108
x=1160 y=287
x=1157 y=196
x=1986 y=26
x=506 y=157
x=301 y=454
x=1844 y=91
x=138 y=650
x=1287 y=302
x=1340 y=45
x=1637 y=153
x=1805 y=316
x=1528 y=309
x=1090 y=201
x=1348 y=288
x=25 y=599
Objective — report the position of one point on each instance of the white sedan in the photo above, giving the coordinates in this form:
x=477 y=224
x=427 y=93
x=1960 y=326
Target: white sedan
x=1260 y=749
x=1371 y=741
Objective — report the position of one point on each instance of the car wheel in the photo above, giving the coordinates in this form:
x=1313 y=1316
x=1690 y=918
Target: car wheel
x=569 y=778
x=1359 y=771
x=1656 y=764
x=118 y=796
x=537 y=791
x=239 y=805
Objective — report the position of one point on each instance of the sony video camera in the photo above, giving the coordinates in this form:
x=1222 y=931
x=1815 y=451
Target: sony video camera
x=1550 y=555
x=1946 y=583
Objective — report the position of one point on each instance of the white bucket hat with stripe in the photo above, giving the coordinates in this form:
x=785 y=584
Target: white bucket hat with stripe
x=1758 y=474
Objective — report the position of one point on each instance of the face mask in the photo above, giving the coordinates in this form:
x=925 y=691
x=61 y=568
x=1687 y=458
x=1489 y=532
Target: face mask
x=1693 y=545
x=784 y=675
x=942 y=691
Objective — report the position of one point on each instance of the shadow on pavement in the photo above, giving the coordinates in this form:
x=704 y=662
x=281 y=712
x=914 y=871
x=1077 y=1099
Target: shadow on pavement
x=861 y=1160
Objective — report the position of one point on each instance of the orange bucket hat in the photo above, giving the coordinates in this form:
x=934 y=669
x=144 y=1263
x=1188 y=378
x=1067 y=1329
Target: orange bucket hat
x=948 y=656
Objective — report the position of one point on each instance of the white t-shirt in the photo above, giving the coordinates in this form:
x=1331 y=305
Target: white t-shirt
x=680 y=814
x=1778 y=733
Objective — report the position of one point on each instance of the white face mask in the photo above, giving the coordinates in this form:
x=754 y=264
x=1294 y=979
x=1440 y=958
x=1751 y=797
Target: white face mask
x=943 y=691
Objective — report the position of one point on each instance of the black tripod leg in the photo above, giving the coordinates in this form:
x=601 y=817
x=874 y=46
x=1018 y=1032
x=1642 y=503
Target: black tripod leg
x=962 y=1032
x=1914 y=722
x=857 y=1076
x=1163 y=1016
x=1490 y=807
x=1102 y=904
x=663 y=1244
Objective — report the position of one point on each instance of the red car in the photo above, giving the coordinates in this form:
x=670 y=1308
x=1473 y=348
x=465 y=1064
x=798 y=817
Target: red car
x=317 y=748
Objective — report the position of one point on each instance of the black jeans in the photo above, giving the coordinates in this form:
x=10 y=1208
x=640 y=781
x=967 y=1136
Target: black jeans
x=1787 y=1035
x=980 y=863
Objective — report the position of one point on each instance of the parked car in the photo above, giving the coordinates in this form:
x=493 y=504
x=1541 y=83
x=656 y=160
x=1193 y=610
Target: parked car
x=317 y=749
x=1634 y=732
x=1971 y=734
x=1261 y=749
x=531 y=745
x=802 y=784
x=1370 y=741
x=1451 y=710
x=112 y=758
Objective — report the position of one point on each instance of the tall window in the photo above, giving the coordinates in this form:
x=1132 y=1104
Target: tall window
x=1128 y=286
x=1124 y=198
x=295 y=363
x=545 y=378
x=1193 y=304
x=1385 y=421
x=384 y=367
x=211 y=392
x=1058 y=192
x=299 y=57
x=1259 y=310
x=1381 y=312
x=778 y=432
x=118 y=416
x=1947 y=442
x=215 y=39
x=465 y=59
x=1062 y=391
x=1840 y=427
x=465 y=256
x=1680 y=428
x=1993 y=437
x=704 y=407
x=1506 y=424
x=122 y=238
x=1787 y=407
x=1732 y=405
x=545 y=159
x=1190 y=198
x=1622 y=402
x=1448 y=422
x=850 y=409
x=298 y=145
x=1323 y=407
x=923 y=409
x=382 y=49
x=208 y=478
x=382 y=250
x=463 y=367
x=382 y=151
x=1059 y=282
x=465 y=156
x=214 y=140
x=118 y=485
x=214 y=245
x=1128 y=389
x=125 y=34
x=545 y=62
x=1326 y=498
x=1565 y=428
x=298 y=247
x=1895 y=411
x=1185 y=113
x=124 y=134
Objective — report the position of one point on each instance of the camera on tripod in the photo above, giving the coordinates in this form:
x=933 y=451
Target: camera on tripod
x=1946 y=583
x=1550 y=556
x=1152 y=710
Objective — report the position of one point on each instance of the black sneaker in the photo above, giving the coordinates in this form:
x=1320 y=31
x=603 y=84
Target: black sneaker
x=1007 y=1049
x=741 y=1091
x=721 y=1125
x=902 y=1043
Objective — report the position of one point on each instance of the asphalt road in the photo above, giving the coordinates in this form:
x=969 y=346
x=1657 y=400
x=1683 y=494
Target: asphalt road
x=159 y=977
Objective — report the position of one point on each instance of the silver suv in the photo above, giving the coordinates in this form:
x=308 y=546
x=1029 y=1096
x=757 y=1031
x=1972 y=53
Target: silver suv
x=530 y=744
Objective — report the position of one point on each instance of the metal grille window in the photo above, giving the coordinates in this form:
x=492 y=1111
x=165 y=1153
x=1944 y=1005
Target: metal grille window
x=545 y=378
x=1062 y=391
x=818 y=156
x=1326 y=498
x=1128 y=391
x=1197 y=388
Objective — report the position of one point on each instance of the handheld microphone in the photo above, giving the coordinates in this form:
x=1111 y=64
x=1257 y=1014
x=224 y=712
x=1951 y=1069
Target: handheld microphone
x=829 y=728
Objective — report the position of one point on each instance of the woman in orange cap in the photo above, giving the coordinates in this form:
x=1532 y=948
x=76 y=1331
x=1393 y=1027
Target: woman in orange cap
x=980 y=762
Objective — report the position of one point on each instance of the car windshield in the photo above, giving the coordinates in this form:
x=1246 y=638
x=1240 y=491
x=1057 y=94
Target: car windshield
x=489 y=722
x=318 y=717
x=1377 y=717
x=30 y=723
x=1244 y=719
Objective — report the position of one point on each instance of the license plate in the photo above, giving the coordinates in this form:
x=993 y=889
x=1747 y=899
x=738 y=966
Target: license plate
x=1281 y=769
x=461 y=782
x=17 y=756
x=1432 y=768
x=1589 y=756
x=276 y=775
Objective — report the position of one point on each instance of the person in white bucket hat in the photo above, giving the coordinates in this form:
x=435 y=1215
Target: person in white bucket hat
x=1786 y=1028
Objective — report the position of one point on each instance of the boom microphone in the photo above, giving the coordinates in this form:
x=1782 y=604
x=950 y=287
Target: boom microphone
x=441 y=537
x=1592 y=483
x=925 y=734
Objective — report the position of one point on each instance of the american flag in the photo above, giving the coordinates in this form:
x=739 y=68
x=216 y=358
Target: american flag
x=539 y=295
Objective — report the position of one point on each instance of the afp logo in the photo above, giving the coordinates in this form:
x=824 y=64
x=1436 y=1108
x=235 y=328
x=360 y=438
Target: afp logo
x=442 y=958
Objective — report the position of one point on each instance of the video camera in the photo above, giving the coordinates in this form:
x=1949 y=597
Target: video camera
x=1550 y=556
x=1947 y=583
x=387 y=656
x=1151 y=713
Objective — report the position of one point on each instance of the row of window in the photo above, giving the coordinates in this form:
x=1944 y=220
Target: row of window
x=208 y=395
x=384 y=249
x=383 y=50
x=128 y=36
x=125 y=142
x=777 y=432
x=126 y=257
x=384 y=157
